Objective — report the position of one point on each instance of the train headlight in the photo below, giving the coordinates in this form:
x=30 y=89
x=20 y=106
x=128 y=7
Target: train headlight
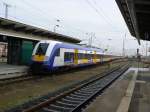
x=40 y=58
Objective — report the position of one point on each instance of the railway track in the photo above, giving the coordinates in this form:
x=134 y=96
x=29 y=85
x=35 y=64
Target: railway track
x=17 y=79
x=26 y=77
x=78 y=97
x=11 y=80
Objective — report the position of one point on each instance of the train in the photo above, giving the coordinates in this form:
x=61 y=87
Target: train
x=49 y=56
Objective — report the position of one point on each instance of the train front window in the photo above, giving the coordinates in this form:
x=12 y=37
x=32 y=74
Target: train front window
x=42 y=48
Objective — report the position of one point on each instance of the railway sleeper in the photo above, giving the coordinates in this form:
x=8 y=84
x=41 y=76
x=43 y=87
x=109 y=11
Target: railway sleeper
x=81 y=94
x=78 y=96
x=45 y=109
x=88 y=91
x=91 y=88
x=59 y=108
x=64 y=104
x=74 y=99
x=91 y=91
x=84 y=92
x=70 y=101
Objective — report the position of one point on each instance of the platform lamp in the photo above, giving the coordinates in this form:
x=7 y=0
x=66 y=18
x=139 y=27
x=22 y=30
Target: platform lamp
x=56 y=26
x=123 y=45
x=88 y=39
x=7 y=6
x=92 y=37
x=109 y=39
x=146 y=34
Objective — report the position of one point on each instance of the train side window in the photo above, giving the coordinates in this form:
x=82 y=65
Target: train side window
x=83 y=55
x=93 y=56
x=69 y=55
x=88 y=56
x=72 y=55
x=79 y=55
x=66 y=55
x=98 y=56
x=58 y=52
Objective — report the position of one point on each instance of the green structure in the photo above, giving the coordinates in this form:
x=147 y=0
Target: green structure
x=27 y=48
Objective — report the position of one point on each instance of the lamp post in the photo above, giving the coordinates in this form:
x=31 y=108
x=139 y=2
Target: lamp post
x=56 y=26
x=109 y=39
x=6 y=9
x=123 y=46
x=123 y=50
x=146 y=48
x=146 y=37
x=90 y=38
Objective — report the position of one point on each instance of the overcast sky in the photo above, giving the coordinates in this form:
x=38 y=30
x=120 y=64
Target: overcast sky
x=78 y=18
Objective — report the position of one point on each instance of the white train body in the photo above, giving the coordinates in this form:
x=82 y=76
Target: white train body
x=52 y=55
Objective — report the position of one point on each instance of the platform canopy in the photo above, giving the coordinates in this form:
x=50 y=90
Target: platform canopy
x=21 y=30
x=136 y=14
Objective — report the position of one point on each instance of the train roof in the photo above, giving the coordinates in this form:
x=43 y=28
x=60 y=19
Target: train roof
x=73 y=46
x=68 y=45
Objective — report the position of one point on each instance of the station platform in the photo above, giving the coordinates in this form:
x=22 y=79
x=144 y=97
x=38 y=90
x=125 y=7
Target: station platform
x=131 y=93
x=9 y=71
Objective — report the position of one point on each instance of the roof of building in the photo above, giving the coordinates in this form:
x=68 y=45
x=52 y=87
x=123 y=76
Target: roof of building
x=21 y=30
x=136 y=14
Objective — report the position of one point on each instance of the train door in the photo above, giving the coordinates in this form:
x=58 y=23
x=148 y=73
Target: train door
x=101 y=58
x=94 y=57
x=76 y=56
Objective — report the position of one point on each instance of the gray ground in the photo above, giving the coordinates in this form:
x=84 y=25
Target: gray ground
x=110 y=99
x=141 y=96
x=14 y=94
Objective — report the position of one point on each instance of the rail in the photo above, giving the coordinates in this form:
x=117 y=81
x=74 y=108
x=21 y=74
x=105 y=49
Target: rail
x=76 y=98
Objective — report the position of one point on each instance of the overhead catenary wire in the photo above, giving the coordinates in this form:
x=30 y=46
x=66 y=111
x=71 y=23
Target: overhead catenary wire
x=103 y=12
x=44 y=17
x=42 y=12
x=99 y=13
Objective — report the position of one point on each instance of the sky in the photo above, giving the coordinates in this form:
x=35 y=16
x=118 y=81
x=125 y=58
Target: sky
x=81 y=19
